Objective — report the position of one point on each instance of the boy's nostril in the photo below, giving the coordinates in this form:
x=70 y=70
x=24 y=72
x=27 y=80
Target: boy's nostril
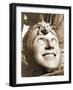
x=52 y=47
x=49 y=47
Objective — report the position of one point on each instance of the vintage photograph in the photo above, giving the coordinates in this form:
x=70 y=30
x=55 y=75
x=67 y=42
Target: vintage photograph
x=42 y=42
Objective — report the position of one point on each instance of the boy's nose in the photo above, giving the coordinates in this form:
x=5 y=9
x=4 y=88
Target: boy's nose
x=48 y=46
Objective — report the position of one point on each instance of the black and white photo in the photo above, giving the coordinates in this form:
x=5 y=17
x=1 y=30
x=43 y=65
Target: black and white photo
x=42 y=40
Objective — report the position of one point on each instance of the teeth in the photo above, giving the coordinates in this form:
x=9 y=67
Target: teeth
x=49 y=54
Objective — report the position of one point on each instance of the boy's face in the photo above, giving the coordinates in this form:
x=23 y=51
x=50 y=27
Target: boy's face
x=46 y=47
